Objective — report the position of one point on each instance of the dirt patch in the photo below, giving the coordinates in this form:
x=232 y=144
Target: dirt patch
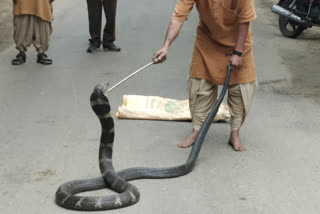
x=301 y=56
x=6 y=29
x=44 y=175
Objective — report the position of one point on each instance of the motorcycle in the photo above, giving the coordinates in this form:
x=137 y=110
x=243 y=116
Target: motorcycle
x=295 y=16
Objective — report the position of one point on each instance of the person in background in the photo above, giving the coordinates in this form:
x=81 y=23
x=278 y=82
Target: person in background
x=95 y=19
x=223 y=36
x=32 y=25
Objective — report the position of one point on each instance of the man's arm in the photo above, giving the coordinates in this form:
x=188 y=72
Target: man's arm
x=243 y=29
x=172 y=33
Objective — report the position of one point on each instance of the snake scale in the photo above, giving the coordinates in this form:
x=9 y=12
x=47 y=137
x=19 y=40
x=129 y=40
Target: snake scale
x=118 y=181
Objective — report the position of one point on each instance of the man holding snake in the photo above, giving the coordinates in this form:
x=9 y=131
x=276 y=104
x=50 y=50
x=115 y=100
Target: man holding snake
x=223 y=36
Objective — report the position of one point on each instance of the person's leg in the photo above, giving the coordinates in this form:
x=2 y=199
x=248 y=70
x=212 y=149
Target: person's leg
x=41 y=39
x=110 y=9
x=202 y=97
x=95 y=19
x=22 y=37
x=239 y=100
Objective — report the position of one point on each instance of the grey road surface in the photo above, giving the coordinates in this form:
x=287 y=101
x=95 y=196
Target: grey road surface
x=49 y=135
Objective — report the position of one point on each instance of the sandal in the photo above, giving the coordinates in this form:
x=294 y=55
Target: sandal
x=43 y=59
x=20 y=59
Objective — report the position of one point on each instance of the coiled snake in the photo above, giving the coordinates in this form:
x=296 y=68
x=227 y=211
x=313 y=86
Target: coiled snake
x=118 y=181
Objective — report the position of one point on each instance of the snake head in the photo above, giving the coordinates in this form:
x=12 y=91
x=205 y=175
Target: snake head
x=99 y=101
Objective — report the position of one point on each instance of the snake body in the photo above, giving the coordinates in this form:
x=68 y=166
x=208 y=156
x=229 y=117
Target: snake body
x=128 y=194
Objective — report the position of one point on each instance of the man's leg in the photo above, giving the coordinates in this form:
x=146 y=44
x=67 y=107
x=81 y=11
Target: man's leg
x=22 y=36
x=95 y=19
x=41 y=39
x=202 y=97
x=239 y=100
x=110 y=9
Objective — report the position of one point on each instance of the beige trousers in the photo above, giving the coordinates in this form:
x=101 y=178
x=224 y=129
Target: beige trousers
x=203 y=95
x=29 y=29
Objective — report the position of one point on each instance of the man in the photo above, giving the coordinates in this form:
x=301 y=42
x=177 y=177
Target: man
x=223 y=36
x=32 y=25
x=95 y=18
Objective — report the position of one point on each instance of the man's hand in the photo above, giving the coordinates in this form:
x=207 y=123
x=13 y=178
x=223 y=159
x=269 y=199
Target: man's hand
x=160 y=56
x=236 y=61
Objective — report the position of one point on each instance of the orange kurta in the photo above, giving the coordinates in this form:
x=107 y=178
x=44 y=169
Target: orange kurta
x=39 y=8
x=216 y=38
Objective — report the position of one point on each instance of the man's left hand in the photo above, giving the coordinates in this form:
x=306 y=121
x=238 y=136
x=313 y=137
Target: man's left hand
x=236 y=61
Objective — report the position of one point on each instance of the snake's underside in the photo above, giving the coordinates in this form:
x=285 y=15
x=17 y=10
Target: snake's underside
x=127 y=194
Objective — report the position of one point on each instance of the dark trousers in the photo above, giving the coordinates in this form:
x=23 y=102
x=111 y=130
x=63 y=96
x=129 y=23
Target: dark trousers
x=95 y=19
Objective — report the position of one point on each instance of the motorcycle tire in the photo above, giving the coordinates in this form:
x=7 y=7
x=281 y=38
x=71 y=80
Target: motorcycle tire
x=295 y=29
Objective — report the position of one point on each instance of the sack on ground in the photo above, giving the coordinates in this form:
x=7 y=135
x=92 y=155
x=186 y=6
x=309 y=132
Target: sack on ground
x=159 y=108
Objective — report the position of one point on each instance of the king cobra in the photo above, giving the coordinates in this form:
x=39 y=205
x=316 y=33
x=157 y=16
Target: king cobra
x=127 y=194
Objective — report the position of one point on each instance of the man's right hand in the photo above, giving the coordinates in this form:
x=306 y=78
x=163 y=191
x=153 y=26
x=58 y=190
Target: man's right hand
x=160 y=56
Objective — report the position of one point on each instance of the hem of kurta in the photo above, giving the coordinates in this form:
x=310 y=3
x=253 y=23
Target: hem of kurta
x=245 y=20
x=220 y=81
x=179 y=19
x=32 y=14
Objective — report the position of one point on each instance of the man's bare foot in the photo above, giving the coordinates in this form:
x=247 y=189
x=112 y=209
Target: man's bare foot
x=189 y=141
x=234 y=141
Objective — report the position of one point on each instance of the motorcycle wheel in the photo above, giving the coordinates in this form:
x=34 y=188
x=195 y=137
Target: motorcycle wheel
x=287 y=27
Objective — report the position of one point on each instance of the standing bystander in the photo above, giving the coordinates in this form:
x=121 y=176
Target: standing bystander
x=95 y=19
x=32 y=25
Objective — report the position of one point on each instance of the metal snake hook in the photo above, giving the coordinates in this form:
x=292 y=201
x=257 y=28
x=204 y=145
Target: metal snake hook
x=134 y=73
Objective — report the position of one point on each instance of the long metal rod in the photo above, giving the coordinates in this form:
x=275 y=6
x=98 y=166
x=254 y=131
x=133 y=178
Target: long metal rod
x=137 y=71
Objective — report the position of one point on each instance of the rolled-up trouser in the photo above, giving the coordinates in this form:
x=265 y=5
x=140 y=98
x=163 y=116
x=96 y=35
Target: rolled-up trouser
x=29 y=29
x=203 y=96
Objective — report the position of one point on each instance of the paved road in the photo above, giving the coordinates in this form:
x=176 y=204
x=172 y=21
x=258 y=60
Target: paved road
x=49 y=134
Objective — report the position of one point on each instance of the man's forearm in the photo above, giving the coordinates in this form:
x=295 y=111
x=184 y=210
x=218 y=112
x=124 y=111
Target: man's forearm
x=242 y=36
x=172 y=32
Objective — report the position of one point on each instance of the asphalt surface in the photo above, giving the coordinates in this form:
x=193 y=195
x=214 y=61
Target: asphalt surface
x=49 y=134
